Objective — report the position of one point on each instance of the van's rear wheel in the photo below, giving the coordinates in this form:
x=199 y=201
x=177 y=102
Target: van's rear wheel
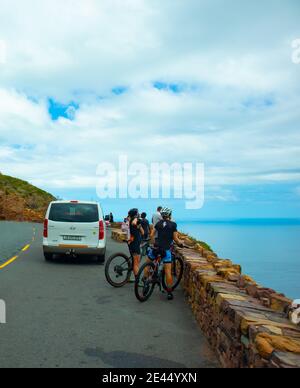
x=48 y=256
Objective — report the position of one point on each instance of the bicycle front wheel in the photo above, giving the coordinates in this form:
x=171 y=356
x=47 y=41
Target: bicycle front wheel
x=177 y=273
x=118 y=270
x=145 y=282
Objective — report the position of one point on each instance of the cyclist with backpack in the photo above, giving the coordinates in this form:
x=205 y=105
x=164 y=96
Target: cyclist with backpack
x=145 y=225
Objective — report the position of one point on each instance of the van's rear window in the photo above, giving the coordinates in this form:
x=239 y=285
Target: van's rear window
x=74 y=212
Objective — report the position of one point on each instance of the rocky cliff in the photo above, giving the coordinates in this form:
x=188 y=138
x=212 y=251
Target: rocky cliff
x=21 y=201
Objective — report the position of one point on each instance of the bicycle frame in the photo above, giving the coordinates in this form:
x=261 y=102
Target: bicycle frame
x=157 y=273
x=144 y=247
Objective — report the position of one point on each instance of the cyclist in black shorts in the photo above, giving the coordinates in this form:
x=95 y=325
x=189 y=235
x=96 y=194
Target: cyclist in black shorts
x=136 y=234
x=166 y=234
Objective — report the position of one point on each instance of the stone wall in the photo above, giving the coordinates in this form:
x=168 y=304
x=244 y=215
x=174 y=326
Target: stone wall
x=118 y=235
x=245 y=323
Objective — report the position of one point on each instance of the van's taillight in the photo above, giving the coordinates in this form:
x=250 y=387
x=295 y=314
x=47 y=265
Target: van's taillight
x=46 y=228
x=101 y=230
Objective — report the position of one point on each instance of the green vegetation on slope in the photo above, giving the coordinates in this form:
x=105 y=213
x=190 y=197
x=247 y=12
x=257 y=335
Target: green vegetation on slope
x=20 y=200
x=32 y=195
x=202 y=243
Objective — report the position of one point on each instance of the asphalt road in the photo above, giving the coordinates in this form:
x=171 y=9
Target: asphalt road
x=13 y=237
x=64 y=314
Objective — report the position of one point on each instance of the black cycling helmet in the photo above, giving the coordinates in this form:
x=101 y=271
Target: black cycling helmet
x=133 y=213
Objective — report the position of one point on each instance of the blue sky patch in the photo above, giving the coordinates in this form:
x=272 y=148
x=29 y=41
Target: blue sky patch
x=173 y=87
x=22 y=146
x=57 y=109
x=259 y=102
x=118 y=90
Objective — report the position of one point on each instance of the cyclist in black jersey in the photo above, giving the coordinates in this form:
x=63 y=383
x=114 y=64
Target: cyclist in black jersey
x=166 y=234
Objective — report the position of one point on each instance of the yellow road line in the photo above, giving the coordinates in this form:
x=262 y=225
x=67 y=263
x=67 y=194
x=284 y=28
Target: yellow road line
x=14 y=258
x=8 y=262
x=23 y=250
x=26 y=248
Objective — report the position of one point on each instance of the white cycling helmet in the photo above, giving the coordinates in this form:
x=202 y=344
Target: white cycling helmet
x=166 y=212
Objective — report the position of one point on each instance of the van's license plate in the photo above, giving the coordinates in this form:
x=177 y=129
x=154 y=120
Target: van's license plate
x=72 y=238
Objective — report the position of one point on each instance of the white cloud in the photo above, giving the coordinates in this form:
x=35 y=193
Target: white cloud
x=238 y=111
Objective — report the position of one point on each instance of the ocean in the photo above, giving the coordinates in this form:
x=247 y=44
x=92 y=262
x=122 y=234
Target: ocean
x=268 y=250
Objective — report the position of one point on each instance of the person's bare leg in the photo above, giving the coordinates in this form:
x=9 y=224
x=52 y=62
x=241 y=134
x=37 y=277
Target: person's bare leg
x=136 y=264
x=169 y=276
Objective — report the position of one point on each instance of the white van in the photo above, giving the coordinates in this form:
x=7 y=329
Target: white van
x=74 y=228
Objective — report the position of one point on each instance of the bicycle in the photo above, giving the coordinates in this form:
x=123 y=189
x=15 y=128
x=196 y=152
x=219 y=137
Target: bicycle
x=119 y=267
x=152 y=274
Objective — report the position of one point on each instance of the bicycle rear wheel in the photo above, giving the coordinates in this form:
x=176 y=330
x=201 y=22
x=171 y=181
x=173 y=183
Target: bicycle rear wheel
x=177 y=273
x=145 y=282
x=118 y=270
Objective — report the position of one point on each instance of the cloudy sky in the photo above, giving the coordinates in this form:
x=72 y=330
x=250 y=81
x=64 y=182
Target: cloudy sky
x=82 y=82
